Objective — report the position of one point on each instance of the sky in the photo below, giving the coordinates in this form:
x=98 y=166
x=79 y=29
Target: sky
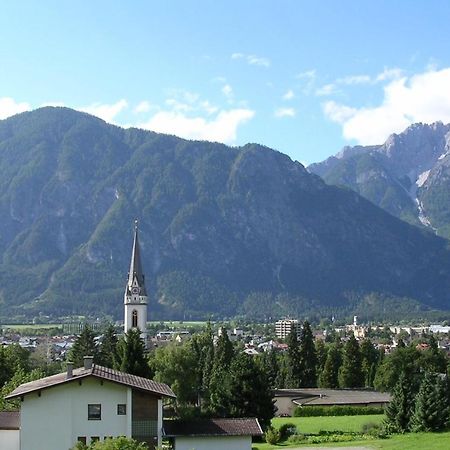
x=303 y=77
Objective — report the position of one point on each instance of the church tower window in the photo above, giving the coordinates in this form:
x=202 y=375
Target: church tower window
x=134 y=319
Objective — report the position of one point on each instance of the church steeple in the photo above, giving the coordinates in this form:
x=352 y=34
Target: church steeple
x=135 y=298
x=135 y=274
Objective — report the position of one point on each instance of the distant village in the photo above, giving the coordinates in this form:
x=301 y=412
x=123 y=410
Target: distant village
x=55 y=346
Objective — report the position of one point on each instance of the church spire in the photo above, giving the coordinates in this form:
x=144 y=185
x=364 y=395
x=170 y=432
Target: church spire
x=135 y=274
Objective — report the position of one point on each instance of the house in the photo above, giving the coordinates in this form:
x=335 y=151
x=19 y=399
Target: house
x=212 y=434
x=87 y=404
x=286 y=400
x=9 y=430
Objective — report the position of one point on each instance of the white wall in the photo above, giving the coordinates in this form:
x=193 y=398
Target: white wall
x=9 y=440
x=214 y=443
x=54 y=420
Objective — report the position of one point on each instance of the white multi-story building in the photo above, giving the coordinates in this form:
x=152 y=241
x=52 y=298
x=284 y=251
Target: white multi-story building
x=284 y=327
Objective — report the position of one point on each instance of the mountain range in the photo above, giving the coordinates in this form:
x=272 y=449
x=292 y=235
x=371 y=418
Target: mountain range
x=223 y=230
x=408 y=176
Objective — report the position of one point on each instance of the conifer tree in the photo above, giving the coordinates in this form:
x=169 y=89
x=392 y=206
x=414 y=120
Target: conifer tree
x=398 y=411
x=294 y=367
x=329 y=376
x=369 y=356
x=251 y=395
x=83 y=346
x=268 y=362
x=131 y=354
x=350 y=373
x=108 y=348
x=321 y=352
x=307 y=357
x=431 y=411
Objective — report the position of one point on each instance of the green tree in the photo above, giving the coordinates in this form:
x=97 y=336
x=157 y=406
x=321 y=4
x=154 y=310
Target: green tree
x=431 y=411
x=294 y=366
x=131 y=354
x=321 y=352
x=398 y=411
x=108 y=349
x=268 y=362
x=350 y=373
x=308 y=357
x=176 y=365
x=251 y=395
x=369 y=356
x=329 y=376
x=119 y=443
x=83 y=346
x=20 y=376
x=402 y=360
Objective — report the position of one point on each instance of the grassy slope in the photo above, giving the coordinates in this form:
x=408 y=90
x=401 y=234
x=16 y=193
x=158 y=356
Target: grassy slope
x=422 y=441
x=312 y=425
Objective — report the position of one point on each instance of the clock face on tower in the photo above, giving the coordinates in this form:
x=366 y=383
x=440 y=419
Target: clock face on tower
x=135 y=290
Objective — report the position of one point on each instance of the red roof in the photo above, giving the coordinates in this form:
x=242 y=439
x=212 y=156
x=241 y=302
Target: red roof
x=96 y=371
x=213 y=427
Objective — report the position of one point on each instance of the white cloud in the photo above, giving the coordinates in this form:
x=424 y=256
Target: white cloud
x=389 y=74
x=253 y=60
x=308 y=74
x=104 y=111
x=423 y=97
x=227 y=90
x=326 y=89
x=354 y=79
x=142 y=107
x=289 y=95
x=284 y=112
x=9 y=107
x=222 y=128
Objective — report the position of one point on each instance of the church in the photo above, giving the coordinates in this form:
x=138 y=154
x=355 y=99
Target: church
x=135 y=297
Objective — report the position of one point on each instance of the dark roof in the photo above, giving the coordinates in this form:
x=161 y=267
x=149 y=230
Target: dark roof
x=96 y=371
x=9 y=420
x=212 y=427
x=318 y=396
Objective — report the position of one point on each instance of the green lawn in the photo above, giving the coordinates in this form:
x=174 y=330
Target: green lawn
x=32 y=326
x=312 y=425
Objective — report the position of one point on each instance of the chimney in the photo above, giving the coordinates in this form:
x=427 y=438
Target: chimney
x=69 y=369
x=88 y=362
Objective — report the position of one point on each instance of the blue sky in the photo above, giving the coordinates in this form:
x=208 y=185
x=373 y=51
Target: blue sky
x=303 y=77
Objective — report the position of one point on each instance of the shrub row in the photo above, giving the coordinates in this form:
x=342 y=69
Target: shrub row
x=313 y=411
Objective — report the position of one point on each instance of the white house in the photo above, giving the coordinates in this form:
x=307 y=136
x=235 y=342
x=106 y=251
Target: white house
x=9 y=430
x=212 y=434
x=87 y=404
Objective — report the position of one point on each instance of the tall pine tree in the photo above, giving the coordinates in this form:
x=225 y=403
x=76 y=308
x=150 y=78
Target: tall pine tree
x=83 y=346
x=131 y=354
x=350 y=373
x=329 y=376
x=294 y=366
x=399 y=409
x=307 y=357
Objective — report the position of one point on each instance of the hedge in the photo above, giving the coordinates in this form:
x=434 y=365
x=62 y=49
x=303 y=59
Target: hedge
x=313 y=411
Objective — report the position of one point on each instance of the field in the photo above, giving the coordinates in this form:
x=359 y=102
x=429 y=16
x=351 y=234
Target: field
x=177 y=324
x=312 y=425
x=422 y=441
x=31 y=326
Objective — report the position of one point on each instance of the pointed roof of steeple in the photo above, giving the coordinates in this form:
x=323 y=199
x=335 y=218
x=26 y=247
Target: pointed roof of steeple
x=135 y=264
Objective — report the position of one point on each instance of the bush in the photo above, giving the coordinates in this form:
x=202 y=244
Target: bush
x=272 y=436
x=296 y=438
x=314 y=411
x=286 y=430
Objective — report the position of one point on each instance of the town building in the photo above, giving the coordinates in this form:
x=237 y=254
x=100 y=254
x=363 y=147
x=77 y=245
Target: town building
x=88 y=404
x=284 y=327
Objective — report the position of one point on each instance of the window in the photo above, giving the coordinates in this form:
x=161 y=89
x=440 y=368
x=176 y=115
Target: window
x=81 y=439
x=134 y=319
x=95 y=439
x=94 y=411
x=121 y=409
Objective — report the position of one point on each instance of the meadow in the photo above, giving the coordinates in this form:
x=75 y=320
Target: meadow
x=313 y=425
